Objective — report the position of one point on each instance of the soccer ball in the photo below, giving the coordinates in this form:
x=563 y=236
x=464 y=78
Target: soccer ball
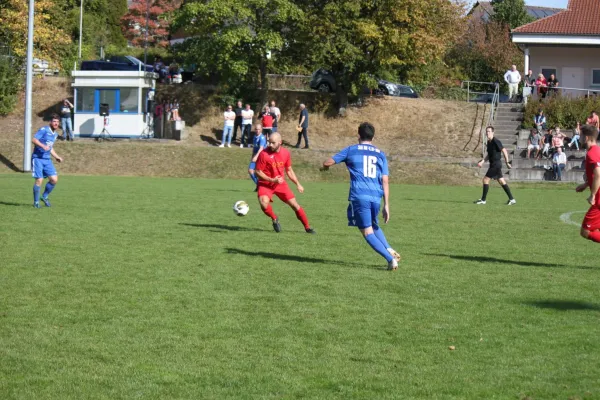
x=241 y=208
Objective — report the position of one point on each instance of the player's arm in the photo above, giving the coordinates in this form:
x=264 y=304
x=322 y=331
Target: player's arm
x=595 y=185
x=56 y=156
x=293 y=178
x=260 y=149
x=263 y=177
x=328 y=163
x=37 y=143
x=505 y=153
x=484 y=159
x=386 y=198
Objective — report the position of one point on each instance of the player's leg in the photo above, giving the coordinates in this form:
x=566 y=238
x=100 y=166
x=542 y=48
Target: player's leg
x=511 y=199
x=52 y=181
x=375 y=207
x=590 y=227
x=359 y=215
x=486 y=187
x=251 y=169
x=286 y=195
x=37 y=172
x=264 y=198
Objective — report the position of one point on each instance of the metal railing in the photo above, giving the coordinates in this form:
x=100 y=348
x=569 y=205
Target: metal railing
x=559 y=90
x=473 y=87
x=491 y=116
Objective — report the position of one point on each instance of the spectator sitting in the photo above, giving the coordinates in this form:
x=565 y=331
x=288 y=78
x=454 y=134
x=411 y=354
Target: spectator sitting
x=175 y=110
x=547 y=142
x=558 y=139
x=542 y=85
x=540 y=121
x=533 y=143
x=552 y=85
x=593 y=120
x=576 y=136
x=559 y=162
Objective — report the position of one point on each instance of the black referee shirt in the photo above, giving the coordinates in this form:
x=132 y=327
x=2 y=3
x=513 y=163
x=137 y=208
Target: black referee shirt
x=494 y=150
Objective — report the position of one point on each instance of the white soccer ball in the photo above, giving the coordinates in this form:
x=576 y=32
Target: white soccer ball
x=241 y=208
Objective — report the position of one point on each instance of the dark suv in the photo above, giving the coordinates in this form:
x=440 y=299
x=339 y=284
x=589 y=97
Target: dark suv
x=323 y=81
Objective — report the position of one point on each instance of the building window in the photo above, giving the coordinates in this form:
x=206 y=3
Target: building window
x=128 y=98
x=595 y=77
x=108 y=96
x=547 y=71
x=85 y=100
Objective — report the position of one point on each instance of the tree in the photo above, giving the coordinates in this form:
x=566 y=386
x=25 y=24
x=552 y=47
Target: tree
x=234 y=37
x=511 y=12
x=160 y=15
x=357 y=40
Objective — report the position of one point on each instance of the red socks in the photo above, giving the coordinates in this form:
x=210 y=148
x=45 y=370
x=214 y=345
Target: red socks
x=594 y=236
x=301 y=215
x=269 y=212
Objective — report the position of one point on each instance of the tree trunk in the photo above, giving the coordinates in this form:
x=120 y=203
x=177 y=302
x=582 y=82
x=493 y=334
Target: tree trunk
x=341 y=97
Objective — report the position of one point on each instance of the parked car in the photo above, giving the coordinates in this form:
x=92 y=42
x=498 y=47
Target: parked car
x=116 y=63
x=323 y=81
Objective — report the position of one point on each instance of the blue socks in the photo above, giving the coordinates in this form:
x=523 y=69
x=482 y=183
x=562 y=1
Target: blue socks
x=379 y=234
x=36 y=194
x=379 y=247
x=254 y=178
x=49 y=188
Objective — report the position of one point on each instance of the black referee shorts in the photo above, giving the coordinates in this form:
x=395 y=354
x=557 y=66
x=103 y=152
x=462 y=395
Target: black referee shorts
x=494 y=172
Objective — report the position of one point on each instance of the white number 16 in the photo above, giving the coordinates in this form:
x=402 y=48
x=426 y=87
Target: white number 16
x=370 y=166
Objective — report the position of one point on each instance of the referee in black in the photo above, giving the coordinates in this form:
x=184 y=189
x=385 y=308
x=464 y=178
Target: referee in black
x=494 y=152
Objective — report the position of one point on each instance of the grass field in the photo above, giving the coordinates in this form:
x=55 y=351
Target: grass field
x=151 y=288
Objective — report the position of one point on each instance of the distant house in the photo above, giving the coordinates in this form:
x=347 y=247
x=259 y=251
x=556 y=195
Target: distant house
x=566 y=44
x=484 y=11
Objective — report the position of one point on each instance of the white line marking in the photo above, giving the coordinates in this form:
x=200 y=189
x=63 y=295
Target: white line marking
x=566 y=217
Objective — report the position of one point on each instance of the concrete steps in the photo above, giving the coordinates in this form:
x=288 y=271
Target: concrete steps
x=541 y=174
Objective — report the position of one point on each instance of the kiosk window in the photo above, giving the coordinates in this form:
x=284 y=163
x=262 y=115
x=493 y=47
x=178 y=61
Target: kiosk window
x=85 y=100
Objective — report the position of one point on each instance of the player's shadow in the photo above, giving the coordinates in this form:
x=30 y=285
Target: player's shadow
x=220 y=227
x=564 y=305
x=8 y=203
x=483 y=259
x=289 y=257
x=213 y=141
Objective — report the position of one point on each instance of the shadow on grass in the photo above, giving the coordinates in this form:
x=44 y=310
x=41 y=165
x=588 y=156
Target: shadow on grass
x=288 y=257
x=210 y=140
x=483 y=259
x=221 y=227
x=9 y=164
x=440 y=201
x=564 y=305
x=8 y=203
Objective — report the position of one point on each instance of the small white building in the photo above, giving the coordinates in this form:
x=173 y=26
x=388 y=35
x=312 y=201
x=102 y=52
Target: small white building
x=566 y=44
x=125 y=92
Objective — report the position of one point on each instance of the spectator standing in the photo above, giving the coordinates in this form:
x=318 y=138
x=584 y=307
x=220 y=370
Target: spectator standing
x=229 y=117
x=559 y=162
x=539 y=121
x=175 y=110
x=303 y=127
x=533 y=143
x=275 y=110
x=593 y=120
x=576 y=136
x=529 y=84
x=513 y=78
x=553 y=85
x=238 y=120
x=267 y=118
x=65 y=120
x=542 y=86
x=247 y=115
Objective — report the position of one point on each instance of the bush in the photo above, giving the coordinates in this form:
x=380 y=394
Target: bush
x=10 y=85
x=562 y=111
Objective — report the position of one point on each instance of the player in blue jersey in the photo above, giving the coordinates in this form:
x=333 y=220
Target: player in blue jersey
x=259 y=143
x=368 y=183
x=41 y=163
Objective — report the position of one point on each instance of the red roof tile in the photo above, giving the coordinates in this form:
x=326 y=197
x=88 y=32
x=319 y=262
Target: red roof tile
x=580 y=18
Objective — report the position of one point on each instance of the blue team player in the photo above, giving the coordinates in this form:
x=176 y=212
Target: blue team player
x=259 y=143
x=41 y=163
x=368 y=183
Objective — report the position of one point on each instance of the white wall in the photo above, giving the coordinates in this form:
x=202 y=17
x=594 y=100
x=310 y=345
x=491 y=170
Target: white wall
x=120 y=125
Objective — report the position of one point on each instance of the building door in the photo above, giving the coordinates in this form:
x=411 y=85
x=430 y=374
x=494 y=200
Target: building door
x=572 y=77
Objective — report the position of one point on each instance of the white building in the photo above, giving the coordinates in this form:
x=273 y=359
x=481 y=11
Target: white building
x=126 y=94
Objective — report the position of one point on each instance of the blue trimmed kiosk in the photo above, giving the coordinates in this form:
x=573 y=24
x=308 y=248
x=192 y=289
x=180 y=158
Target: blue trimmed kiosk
x=127 y=94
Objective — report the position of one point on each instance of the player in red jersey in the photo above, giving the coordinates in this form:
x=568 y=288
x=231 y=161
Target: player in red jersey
x=271 y=167
x=590 y=228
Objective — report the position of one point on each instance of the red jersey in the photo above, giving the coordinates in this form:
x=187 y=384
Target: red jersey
x=273 y=164
x=592 y=161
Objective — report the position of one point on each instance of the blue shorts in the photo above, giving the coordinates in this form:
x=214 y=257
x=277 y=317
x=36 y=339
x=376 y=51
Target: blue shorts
x=252 y=165
x=42 y=168
x=363 y=214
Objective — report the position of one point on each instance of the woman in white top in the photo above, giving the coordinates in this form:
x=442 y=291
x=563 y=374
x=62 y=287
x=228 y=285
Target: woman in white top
x=229 y=117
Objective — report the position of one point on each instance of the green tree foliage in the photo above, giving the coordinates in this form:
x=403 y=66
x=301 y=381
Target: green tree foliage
x=358 y=40
x=233 y=37
x=10 y=85
x=562 y=111
x=511 y=12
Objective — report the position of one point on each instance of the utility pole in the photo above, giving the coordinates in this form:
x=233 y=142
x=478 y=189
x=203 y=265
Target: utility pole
x=80 y=26
x=146 y=35
x=28 y=94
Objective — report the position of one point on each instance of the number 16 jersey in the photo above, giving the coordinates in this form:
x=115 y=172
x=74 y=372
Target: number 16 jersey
x=367 y=165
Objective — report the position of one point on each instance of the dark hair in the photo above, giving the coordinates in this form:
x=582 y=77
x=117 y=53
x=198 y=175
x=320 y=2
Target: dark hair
x=489 y=127
x=54 y=116
x=589 y=131
x=366 y=131
x=540 y=111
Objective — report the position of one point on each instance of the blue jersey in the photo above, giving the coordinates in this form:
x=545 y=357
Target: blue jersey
x=367 y=166
x=47 y=137
x=259 y=140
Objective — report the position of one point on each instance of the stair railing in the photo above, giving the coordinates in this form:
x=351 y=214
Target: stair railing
x=491 y=116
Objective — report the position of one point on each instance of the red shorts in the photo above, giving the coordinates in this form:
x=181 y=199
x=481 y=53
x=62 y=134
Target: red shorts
x=282 y=191
x=591 y=222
